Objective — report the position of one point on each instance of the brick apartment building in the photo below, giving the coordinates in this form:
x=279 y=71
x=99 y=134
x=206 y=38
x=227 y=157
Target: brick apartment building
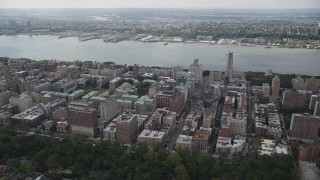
x=127 y=128
x=305 y=126
x=309 y=151
x=83 y=119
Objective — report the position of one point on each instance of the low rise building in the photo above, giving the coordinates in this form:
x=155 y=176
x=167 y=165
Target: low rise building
x=46 y=86
x=200 y=141
x=89 y=95
x=110 y=132
x=184 y=142
x=114 y=83
x=229 y=146
x=76 y=95
x=48 y=125
x=308 y=171
x=23 y=101
x=126 y=88
x=60 y=113
x=145 y=105
x=124 y=105
x=62 y=126
x=269 y=147
x=65 y=85
x=151 y=138
x=4 y=97
x=5 y=118
x=33 y=115
x=142 y=119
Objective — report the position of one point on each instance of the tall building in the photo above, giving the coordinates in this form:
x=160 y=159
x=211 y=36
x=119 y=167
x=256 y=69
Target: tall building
x=242 y=101
x=317 y=109
x=82 y=118
x=208 y=118
x=292 y=99
x=197 y=69
x=108 y=109
x=229 y=70
x=309 y=151
x=176 y=103
x=313 y=99
x=127 y=128
x=305 y=126
x=266 y=89
x=275 y=87
x=135 y=71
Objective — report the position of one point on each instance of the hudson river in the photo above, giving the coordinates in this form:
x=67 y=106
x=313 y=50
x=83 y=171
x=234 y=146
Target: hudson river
x=281 y=60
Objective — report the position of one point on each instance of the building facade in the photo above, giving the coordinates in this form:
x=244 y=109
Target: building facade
x=82 y=119
x=127 y=128
x=275 y=87
x=305 y=127
x=197 y=69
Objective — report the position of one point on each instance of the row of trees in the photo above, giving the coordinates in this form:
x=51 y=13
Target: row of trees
x=246 y=31
x=258 y=78
x=107 y=160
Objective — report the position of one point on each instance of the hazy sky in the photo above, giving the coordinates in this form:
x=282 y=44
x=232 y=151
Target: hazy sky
x=160 y=4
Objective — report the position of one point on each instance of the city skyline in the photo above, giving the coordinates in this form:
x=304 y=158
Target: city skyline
x=201 y=4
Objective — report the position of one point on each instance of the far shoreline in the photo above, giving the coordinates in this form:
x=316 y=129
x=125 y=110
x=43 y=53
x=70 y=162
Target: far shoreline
x=246 y=45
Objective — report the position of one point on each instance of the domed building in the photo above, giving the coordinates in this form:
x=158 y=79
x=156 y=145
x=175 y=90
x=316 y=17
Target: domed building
x=136 y=83
x=126 y=88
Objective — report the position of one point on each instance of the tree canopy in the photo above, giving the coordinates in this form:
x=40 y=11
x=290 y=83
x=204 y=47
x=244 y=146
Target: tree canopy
x=106 y=160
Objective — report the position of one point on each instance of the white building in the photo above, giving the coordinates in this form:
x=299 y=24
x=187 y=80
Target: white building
x=299 y=84
x=184 y=142
x=266 y=89
x=108 y=109
x=110 y=132
x=23 y=101
x=269 y=147
x=151 y=138
x=197 y=69
x=225 y=146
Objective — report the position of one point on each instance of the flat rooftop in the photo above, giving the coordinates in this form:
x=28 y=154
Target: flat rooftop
x=201 y=135
x=152 y=134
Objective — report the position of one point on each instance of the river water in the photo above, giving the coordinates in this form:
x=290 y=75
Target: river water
x=213 y=57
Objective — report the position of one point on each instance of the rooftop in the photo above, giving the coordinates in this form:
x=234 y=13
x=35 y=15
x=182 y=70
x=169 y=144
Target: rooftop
x=151 y=134
x=76 y=93
x=183 y=139
x=115 y=79
x=90 y=94
x=202 y=135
